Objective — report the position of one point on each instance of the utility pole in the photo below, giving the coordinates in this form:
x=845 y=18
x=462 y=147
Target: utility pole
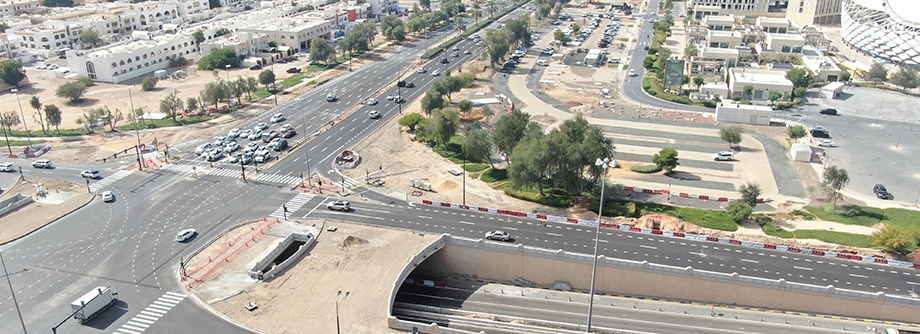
x=464 y=181
x=140 y=160
x=13 y=293
x=606 y=164
x=306 y=144
x=28 y=136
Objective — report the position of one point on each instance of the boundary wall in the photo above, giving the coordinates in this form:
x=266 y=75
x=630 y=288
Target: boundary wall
x=696 y=237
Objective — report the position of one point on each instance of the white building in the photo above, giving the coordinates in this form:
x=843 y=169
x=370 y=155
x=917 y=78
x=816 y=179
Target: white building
x=823 y=68
x=744 y=7
x=728 y=112
x=14 y=8
x=128 y=60
x=763 y=81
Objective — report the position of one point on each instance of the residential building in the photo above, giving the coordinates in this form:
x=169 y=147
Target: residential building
x=763 y=81
x=127 y=60
x=814 y=12
x=743 y=7
x=16 y=7
x=822 y=67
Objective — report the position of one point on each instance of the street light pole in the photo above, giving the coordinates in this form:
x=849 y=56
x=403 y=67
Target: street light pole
x=28 y=136
x=13 y=293
x=338 y=328
x=228 y=73
x=306 y=143
x=605 y=164
x=140 y=159
x=464 y=181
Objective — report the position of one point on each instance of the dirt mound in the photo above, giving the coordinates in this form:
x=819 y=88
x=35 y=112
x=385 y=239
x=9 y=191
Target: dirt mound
x=444 y=185
x=352 y=241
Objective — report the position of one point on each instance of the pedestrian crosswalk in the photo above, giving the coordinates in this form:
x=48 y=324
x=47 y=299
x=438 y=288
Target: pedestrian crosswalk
x=151 y=314
x=293 y=205
x=275 y=178
x=181 y=168
x=109 y=179
x=234 y=173
x=349 y=182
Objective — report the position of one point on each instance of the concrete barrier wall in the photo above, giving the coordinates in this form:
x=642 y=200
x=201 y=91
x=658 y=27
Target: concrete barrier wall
x=11 y=204
x=256 y=272
x=414 y=262
x=506 y=262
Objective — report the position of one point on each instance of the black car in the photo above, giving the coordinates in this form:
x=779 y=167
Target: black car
x=828 y=111
x=406 y=84
x=255 y=67
x=820 y=134
x=280 y=145
x=444 y=61
x=293 y=70
x=882 y=192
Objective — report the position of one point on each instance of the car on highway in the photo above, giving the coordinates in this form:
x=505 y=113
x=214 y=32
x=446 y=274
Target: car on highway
x=235 y=159
x=247 y=158
x=816 y=128
x=390 y=97
x=279 y=144
x=455 y=48
x=444 y=61
x=826 y=143
x=277 y=118
x=723 y=156
x=108 y=196
x=7 y=167
x=245 y=133
x=398 y=99
x=267 y=137
x=289 y=133
x=406 y=84
x=255 y=134
x=260 y=126
x=422 y=70
x=330 y=98
x=252 y=146
x=235 y=132
x=372 y=102
x=373 y=114
x=263 y=158
x=43 y=163
x=632 y=72
x=262 y=151
x=214 y=155
x=456 y=54
x=828 y=111
x=286 y=127
x=339 y=205
x=498 y=235
x=185 y=234
x=466 y=52
x=90 y=174
x=435 y=73
x=881 y=192
x=202 y=148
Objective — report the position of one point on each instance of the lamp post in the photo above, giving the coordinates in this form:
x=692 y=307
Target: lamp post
x=28 y=137
x=13 y=293
x=605 y=164
x=228 y=73
x=140 y=160
x=338 y=329
x=303 y=122
x=464 y=181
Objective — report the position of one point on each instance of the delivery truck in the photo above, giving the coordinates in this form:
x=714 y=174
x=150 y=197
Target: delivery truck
x=92 y=303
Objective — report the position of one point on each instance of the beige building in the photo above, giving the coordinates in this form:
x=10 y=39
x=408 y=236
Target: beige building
x=735 y=6
x=815 y=12
x=822 y=67
x=763 y=81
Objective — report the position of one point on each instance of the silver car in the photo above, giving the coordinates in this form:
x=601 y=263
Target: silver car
x=498 y=235
x=339 y=205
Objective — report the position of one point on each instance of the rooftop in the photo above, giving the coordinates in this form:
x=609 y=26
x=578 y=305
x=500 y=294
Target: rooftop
x=758 y=76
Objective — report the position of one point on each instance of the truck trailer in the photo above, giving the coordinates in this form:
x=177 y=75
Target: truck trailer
x=92 y=303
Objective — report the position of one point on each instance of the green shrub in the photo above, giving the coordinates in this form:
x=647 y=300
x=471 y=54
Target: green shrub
x=494 y=175
x=645 y=169
x=534 y=196
x=473 y=168
x=709 y=104
x=848 y=210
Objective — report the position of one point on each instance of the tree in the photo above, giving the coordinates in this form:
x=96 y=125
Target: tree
x=649 y=62
x=800 y=77
x=321 y=50
x=731 y=135
x=510 y=129
x=11 y=72
x=698 y=81
x=877 y=73
x=53 y=116
x=835 y=179
x=691 y=51
x=198 y=35
x=799 y=91
x=894 y=240
x=796 y=131
x=531 y=162
x=149 y=83
x=844 y=77
x=561 y=37
x=191 y=104
x=666 y=159
x=431 y=101
x=109 y=118
x=442 y=125
x=411 y=121
x=266 y=77
x=465 y=106
x=774 y=96
x=36 y=104
x=749 y=193
x=90 y=37
x=747 y=91
x=8 y=120
x=905 y=77
x=476 y=143
x=497 y=45
x=663 y=55
x=3 y=27
x=171 y=105
x=738 y=211
x=72 y=91
x=219 y=59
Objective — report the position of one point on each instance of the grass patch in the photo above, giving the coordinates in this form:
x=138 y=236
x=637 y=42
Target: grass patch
x=772 y=229
x=625 y=67
x=494 y=175
x=293 y=80
x=869 y=217
x=703 y=218
x=623 y=39
x=558 y=200
x=840 y=238
x=5 y=143
x=645 y=169
x=650 y=84
x=475 y=167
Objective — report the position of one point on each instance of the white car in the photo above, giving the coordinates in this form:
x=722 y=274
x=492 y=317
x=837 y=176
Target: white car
x=374 y=114
x=245 y=133
x=202 y=148
x=90 y=174
x=339 y=205
x=498 y=235
x=286 y=127
x=372 y=102
x=256 y=134
x=817 y=128
x=827 y=143
x=185 y=234
x=277 y=118
x=390 y=97
x=43 y=163
x=632 y=72
x=7 y=167
x=262 y=158
x=232 y=146
x=260 y=126
x=723 y=156
x=107 y=196
x=234 y=133
x=252 y=147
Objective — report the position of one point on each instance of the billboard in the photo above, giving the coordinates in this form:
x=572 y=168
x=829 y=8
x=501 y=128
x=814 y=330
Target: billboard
x=673 y=72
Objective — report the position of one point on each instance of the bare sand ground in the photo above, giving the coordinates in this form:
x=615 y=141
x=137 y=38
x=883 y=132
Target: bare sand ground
x=362 y=261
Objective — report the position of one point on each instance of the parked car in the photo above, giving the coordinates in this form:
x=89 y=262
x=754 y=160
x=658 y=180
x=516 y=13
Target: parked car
x=185 y=234
x=828 y=111
x=723 y=156
x=826 y=143
x=498 y=235
x=43 y=163
x=293 y=70
x=882 y=192
x=339 y=205
x=90 y=174
x=7 y=167
x=255 y=67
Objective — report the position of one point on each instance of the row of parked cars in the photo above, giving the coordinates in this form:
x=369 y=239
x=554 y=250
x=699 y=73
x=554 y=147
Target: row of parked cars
x=226 y=145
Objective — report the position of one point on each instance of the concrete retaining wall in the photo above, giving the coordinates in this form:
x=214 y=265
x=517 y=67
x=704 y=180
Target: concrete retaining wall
x=11 y=204
x=506 y=262
x=414 y=262
x=308 y=240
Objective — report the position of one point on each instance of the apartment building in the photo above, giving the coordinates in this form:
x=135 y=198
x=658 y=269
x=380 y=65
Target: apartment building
x=763 y=81
x=127 y=60
x=814 y=12
x=16 y=7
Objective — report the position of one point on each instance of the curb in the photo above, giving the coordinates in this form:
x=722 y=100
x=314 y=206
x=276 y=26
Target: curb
x=696 y=237
x=687 y=195
x=50 y=221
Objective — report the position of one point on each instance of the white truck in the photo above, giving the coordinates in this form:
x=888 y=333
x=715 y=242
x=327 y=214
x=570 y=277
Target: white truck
x=92 y=303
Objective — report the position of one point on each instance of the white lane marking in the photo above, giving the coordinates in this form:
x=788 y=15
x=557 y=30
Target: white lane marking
x=649 y=247
x=802 y=268
x=468 y=223
x=751 y=261
x=554 y=234
x=860 y=276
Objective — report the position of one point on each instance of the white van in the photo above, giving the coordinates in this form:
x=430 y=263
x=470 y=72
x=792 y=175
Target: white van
x=6 y=167
x=542 y=62
x=613 y=60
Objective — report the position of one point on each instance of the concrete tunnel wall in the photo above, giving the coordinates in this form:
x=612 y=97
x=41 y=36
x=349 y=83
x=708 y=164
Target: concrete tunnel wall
x=506 y=262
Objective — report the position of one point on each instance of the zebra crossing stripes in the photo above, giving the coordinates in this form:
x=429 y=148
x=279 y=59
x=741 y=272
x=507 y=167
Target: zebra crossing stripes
x=151 y=314
x=109 y=179
x=181 y=168
x=275 y=178
x=234 y=173
x=293 y=205
x=349 y=182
